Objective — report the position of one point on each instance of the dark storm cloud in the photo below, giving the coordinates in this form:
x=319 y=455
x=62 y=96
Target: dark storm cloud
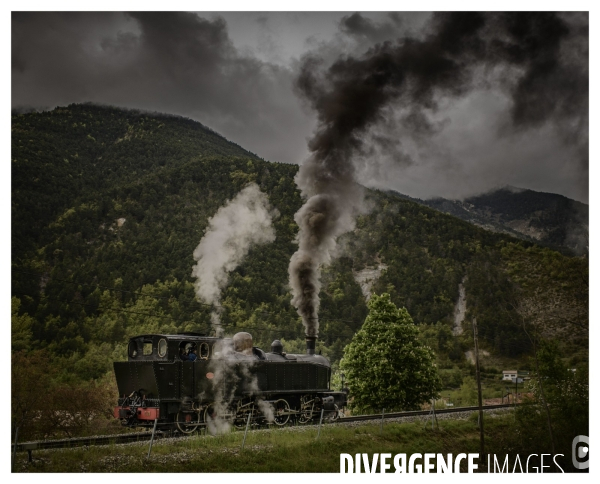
x=351 y=94
x=172 y=62
x=356 y=96
x=551 y=87
x=525 y=91
x=537 y=61
x=356 y=25
x=554 y=86
x=179 y=42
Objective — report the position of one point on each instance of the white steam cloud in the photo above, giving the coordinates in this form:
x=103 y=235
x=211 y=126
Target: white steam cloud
x=237 y=226
x=231 y=373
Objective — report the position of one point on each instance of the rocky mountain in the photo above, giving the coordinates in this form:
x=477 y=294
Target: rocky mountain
x=549 y=219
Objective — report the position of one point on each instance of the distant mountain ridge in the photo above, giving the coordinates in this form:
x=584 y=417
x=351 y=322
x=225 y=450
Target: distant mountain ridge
x=546 y=218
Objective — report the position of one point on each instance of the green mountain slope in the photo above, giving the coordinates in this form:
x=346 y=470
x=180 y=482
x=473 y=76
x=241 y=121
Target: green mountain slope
x=108 y=206
x=84 y=151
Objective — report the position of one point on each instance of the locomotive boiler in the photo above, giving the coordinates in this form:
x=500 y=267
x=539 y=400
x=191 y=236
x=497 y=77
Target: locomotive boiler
x=186 y=381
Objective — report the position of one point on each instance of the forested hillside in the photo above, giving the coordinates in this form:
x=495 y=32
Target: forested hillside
x=108 y=206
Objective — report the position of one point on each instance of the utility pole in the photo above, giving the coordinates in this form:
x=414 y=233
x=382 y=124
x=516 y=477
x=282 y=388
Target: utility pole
x=481 y=438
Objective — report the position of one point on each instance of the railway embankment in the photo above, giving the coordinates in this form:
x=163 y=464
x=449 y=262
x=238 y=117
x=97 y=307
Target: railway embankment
x=290 y=449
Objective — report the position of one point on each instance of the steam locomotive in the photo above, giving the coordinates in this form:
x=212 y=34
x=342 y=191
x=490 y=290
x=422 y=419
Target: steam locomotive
x=228 y=381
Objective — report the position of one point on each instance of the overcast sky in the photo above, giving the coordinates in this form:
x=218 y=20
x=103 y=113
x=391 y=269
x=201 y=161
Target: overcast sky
x=518 y=116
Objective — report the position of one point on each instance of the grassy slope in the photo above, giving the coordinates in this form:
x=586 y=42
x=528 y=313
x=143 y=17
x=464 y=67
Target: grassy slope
x=285 y=450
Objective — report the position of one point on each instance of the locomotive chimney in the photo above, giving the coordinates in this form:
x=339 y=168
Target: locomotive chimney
x=311 y=342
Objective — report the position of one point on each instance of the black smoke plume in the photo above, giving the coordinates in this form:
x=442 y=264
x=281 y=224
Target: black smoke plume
x=526 y=51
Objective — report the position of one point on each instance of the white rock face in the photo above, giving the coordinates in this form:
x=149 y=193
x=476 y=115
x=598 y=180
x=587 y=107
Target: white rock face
x=460 y=310
x=470 y=355
x=367 y=277
x=120 y=222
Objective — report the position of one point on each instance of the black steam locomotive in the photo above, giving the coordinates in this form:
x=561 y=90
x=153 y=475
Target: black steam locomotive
x=186 y=381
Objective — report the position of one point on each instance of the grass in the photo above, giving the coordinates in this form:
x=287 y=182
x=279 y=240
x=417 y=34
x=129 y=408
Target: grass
x=278 y=450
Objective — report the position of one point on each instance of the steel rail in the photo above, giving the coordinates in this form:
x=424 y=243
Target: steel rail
x=416 y=413
x=87 y=441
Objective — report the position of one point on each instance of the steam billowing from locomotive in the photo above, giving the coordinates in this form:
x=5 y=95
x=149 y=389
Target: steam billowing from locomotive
x=333 y=200
x=227 y=374
x=237 y=226
x=399 y=85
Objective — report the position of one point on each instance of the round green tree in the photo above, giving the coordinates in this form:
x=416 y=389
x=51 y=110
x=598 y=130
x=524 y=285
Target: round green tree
x=386 y=365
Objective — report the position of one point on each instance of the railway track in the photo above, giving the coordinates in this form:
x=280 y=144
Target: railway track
x=89 y=441
x=416 y=413
x=147 y=435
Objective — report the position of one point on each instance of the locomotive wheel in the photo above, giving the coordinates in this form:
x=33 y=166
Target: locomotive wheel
x=282 y=412
x=239 y=423
x=241 y=420
x=187 y=422
x=305 y=416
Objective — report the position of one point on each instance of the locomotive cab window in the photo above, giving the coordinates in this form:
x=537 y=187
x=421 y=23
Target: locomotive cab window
x=133 y=349
x=204 y=351
x=162 y=348
x=147 y=349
